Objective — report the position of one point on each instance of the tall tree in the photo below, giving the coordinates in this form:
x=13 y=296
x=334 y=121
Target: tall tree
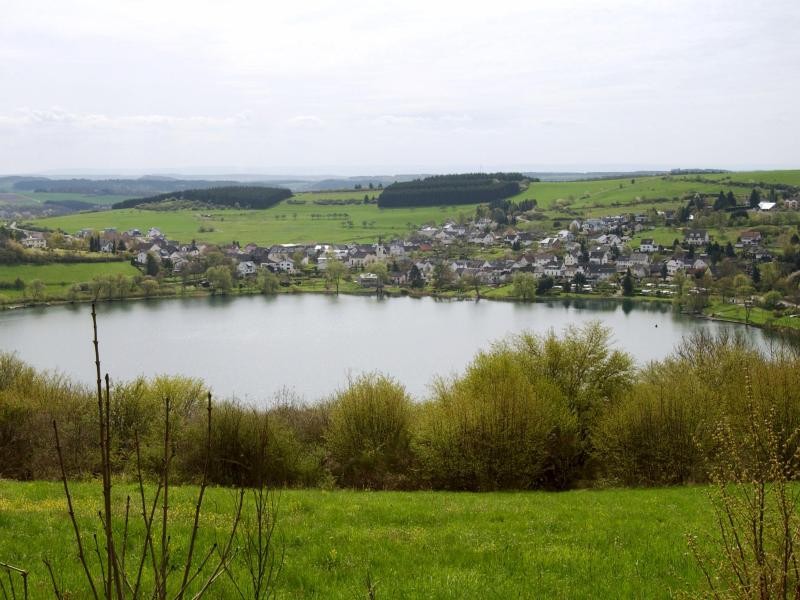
x=334 y=270
x=755 y=198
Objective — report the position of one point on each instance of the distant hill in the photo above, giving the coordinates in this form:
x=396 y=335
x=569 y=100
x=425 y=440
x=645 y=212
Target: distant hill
x=465 y=188
x=117 y=187
x=253 y=197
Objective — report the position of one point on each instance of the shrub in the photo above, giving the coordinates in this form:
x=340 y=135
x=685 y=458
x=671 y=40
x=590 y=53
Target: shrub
x=495 y=428
x=660 y=431
x=367 y=438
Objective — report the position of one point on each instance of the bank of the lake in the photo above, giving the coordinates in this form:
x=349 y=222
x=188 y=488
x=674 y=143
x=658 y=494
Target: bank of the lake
x=254 y=346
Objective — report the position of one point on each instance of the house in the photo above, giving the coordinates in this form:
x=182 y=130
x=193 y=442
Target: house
x=648 y=245
x=750 y=237
x=360 y=259
x=246 y=268
x=286 y=266
x=791 y=204
x=766 y=206
x=34 y=240
x=697 y=237
x=675 y=265
x=598 y=257
x=600 y=272
x=609 y=240
x=554 y=269
x=549 y=242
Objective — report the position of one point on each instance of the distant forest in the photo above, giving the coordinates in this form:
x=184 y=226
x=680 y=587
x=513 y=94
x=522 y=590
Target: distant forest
x=235 y=196
x=466 y=188
x=114 y=187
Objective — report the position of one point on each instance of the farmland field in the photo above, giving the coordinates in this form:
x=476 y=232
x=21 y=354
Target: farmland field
x=579 y=544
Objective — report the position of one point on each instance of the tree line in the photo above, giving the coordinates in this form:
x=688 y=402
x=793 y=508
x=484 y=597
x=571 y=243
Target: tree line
x=439 y=190
x=253 y=197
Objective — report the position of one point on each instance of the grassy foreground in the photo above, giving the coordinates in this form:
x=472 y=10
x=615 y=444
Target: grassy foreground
x=608 y=543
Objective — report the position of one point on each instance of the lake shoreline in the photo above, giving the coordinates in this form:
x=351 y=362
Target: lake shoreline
x=402 y=293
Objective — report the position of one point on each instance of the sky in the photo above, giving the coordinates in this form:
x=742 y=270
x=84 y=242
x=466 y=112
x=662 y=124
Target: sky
x=343 y=87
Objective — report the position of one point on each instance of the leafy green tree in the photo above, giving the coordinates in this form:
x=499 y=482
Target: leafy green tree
x=74 y=291
x=524 y=285
x=443 y=276
x=36 y=289
x=470 y=281
x=544 y=285
x=771 y=299
x=149 y=286
x=268 y=282
x=381 y=270
x=220 y=279
x=334 y=270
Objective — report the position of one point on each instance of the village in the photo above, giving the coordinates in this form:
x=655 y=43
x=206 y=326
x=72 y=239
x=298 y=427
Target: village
x=586 y=256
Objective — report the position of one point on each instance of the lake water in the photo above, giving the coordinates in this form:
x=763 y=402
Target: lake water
x=251 y=347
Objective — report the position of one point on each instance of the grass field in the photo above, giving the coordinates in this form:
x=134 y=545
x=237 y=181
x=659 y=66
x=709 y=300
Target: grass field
x=789 y=177
x=284 y=223
x=579 y=544
x=758 y=316
x=58 y=276
x=309 y=222
x=605 y=193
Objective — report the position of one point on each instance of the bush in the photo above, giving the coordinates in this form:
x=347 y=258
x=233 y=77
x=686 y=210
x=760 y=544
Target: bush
x=663 y=427
x=367 y=438
x=495 y=428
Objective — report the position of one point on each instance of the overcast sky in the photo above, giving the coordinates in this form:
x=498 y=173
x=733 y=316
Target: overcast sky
x=392 y=87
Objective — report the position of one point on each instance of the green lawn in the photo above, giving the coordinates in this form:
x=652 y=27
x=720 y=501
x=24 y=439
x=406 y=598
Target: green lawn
x=59 y=276
x=758 y=316
x=579 y=544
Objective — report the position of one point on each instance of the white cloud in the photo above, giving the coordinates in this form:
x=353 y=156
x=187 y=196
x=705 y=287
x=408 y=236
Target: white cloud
x=519 y=81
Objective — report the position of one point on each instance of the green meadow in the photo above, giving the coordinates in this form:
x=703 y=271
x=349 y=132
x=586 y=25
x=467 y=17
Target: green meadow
x=579 y=544
x=789 y=177
x=608 y=194
x=57 y=277
x=301 y=220
x=285 y=223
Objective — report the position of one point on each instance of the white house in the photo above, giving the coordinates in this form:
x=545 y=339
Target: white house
x=34 y=240
x=648 y=245
x=246 y=268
